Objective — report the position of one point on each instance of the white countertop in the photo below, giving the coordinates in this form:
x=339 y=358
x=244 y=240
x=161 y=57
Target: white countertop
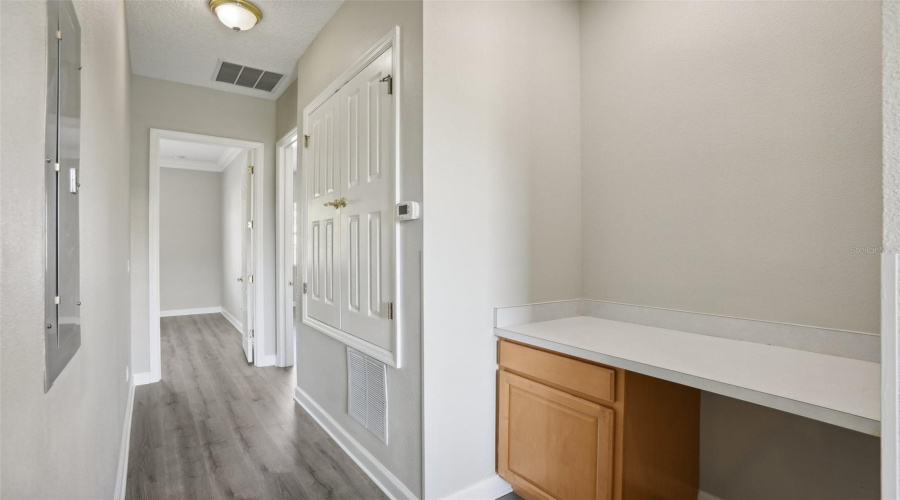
x=840 y=391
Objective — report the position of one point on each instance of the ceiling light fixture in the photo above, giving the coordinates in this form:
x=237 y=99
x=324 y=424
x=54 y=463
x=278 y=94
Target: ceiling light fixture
x=239 y=15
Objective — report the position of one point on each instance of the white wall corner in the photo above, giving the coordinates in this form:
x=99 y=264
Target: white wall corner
x=378 y=473
x=486 y=489
x=234 y=321
x=124 y=447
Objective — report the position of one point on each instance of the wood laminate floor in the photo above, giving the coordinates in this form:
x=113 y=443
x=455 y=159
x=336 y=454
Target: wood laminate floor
x=216 y=427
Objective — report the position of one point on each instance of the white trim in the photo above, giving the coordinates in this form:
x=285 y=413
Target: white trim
x=125 y=444
x=702 y=495
x=234 y=321
x=188 y=312
x=264 y=359
x=142 y=378
x=284 y=251
x=203 y=166
x=890 y=363
x=378 y=473
x=486 y=489
x=390 y=357
x=259 y=265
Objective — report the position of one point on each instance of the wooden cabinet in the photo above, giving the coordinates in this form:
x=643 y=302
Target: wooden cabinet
x=570 y=429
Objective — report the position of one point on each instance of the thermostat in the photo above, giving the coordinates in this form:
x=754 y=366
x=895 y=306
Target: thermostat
x=407 y=210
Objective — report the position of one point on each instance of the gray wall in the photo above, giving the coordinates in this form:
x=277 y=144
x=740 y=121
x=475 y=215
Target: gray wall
x=502 y=205
x=731 y=157
x=286 y=111
x=232 y=237
x=190 y=239
x=186 y=108
x=65 y=443
x=321 y=360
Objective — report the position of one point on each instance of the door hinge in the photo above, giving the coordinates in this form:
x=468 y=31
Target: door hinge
x=249 y=224
x=304 y=288
x=390 y=82
x=58 y=34
x=390 y=310
x=56 y=300
x=305 y=141
x=252 y=334
x=250 y=279
x=250 y=169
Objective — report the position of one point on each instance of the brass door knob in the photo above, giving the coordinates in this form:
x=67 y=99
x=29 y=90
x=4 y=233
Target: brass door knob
x=340 y=203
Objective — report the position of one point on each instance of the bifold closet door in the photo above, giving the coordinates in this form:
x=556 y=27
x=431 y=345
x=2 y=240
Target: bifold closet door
x=367 y=183
x=322 y=232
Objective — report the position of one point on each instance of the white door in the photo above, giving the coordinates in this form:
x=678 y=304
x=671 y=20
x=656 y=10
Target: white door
x=367 y=222
x=247 y=289
x=322 y=238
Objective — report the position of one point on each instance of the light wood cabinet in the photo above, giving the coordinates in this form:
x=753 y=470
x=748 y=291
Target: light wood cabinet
x=570 y=429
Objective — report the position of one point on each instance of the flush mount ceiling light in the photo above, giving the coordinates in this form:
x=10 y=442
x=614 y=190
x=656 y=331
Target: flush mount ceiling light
x=239 y=15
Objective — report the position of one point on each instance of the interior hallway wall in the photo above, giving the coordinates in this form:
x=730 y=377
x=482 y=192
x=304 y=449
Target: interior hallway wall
x=232 y=237
x=64 y=443
x=186 y=108
x=322 y=360
x=190 y=239
x=731 y=161
x=286 y=111
x=502 y=206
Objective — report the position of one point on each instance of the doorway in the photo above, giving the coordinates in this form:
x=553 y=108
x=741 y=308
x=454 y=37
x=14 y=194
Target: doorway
x=288 y=293
x=167 y=153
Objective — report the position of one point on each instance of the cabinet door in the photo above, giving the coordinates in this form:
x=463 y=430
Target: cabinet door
x=367 y=183
x=322 y=227
x=551 y=444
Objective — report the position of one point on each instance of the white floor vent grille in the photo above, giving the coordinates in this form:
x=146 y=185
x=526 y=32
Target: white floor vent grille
x=367 y=392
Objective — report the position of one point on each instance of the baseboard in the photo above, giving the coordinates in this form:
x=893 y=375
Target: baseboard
x=389 y=484
x=231 y=319
x=188 y=312
x=125 y=446
x=702 y=495
x=267 y=360
x=142 y=378
x=486 y=489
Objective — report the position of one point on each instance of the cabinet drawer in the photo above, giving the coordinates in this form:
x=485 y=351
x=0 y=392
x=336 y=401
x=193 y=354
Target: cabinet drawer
x=579 y=376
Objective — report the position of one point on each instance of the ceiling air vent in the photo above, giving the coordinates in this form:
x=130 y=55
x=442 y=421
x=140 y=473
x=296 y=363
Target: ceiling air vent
x=246 y=76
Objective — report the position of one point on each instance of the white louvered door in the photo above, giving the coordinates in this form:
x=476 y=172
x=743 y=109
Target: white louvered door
x=367 y=222
x=322 y=232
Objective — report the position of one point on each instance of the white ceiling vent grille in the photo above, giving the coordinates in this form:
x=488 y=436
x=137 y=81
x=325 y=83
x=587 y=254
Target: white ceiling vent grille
x=245 y=76
x=367 y=392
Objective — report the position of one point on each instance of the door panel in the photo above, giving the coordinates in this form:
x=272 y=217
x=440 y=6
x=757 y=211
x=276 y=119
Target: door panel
x=366 y=137
x=323 y=239
x=247 y=288
x=552 y=444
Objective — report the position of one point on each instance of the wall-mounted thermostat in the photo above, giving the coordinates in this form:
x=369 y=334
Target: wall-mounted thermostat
x=407 y=210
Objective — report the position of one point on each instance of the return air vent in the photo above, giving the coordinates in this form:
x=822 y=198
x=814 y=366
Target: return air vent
x=367 y=392
x=245 y=76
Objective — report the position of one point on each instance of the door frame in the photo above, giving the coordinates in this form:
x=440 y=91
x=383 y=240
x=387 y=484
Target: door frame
x=284 y=250
x=393 y=356
x=258 y=150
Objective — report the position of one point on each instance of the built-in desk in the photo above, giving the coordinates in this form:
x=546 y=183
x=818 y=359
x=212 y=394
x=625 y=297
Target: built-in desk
x=838 y=390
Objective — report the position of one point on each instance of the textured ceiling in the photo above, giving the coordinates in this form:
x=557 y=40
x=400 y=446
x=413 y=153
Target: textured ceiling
x=181 y=40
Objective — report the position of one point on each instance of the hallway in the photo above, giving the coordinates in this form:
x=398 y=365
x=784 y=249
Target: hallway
x=216 y=427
